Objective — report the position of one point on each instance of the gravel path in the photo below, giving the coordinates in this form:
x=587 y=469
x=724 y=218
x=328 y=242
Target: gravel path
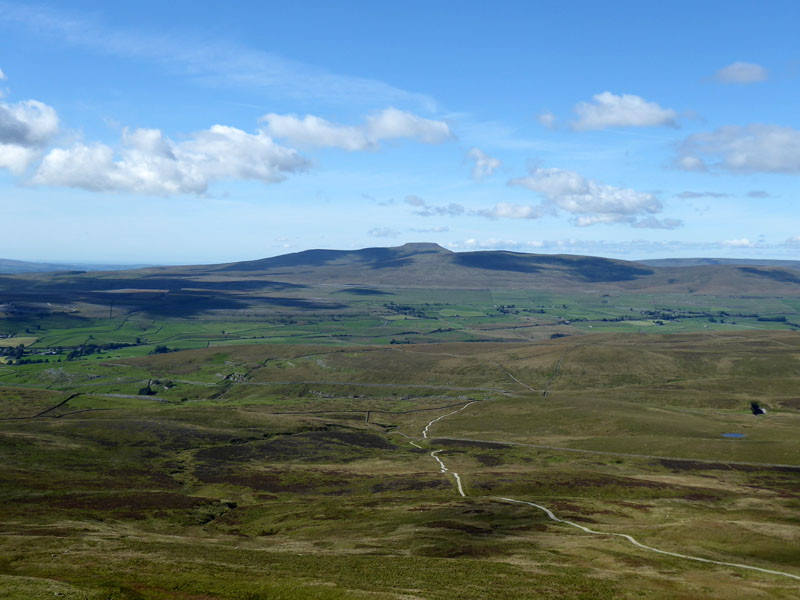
x=650 y=548
x=444 y=469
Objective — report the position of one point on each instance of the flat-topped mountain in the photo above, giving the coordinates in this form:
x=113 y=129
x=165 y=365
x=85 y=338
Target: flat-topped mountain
x=371 y=257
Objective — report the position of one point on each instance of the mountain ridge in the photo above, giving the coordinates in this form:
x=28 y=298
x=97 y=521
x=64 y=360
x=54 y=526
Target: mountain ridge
x=428 y=265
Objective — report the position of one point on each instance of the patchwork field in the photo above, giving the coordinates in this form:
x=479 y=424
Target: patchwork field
x=306 y=471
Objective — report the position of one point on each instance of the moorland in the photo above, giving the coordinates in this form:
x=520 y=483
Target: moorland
x=402 y=423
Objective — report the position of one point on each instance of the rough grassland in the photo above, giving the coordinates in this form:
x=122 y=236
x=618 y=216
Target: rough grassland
x=274 y=471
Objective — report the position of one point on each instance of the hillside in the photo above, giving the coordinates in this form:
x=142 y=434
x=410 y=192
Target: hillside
x=694 y=262
x=426 y=265
x=434 y=471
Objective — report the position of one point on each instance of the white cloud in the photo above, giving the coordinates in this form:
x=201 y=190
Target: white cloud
x=484 y=166
x=489 y=244
x=390 y=123
x=2 y=75
x=17 y=158
x=426 y=210
x=627 y=110
x=509 y=210
x=741 y=243
x=25 y=129
x=574 y=193
x=742 y=73
x=758 y=194
x=150 y=163
x=750 y=149
x=314 y=131
x=383 y=232
x=654 y=223
x=628 y=249
x=592 y=202
x=449 y=210
x=691 y=163
x=547 y=119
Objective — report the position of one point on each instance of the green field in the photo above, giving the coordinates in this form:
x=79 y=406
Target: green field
x=402 y=316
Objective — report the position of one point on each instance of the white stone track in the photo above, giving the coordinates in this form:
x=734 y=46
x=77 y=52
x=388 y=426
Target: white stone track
x=444 y=469
x=425 y=431
x=650 y=548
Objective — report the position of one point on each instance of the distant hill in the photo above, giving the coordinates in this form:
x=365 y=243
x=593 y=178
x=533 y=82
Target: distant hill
x=303 y=280
x=430 y=265
x=694 y=262
x=423 y=265
x=12 y=267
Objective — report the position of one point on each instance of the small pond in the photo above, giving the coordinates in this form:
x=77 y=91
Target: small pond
x=733 y=435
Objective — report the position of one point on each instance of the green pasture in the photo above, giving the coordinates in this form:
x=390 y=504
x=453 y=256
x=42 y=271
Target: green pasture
x=446 y=316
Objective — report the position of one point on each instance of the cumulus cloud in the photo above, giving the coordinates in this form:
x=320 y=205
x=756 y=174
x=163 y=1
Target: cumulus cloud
x=25 y=129
x=627 y=110
x=150 y=163
x=427 y=210
x=592 y=202
x=750 y=149
x=2 y=75
x=388 y=124
x=314 y=131
x=392 y=123
x=574 y=193
x=383 y=232
x=510 y=210
x=741 y=73
x=547 y=119
x=484 y=166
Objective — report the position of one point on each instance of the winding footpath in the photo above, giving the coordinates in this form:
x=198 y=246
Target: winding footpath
x=650 y=548
x=553 y=517
x=425 y=431
x=444 y=469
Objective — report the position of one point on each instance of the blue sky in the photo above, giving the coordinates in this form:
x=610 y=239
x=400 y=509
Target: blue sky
x=188 y=132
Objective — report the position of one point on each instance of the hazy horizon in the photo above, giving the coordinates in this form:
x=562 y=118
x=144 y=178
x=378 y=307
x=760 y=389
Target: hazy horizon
x=96 y=262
